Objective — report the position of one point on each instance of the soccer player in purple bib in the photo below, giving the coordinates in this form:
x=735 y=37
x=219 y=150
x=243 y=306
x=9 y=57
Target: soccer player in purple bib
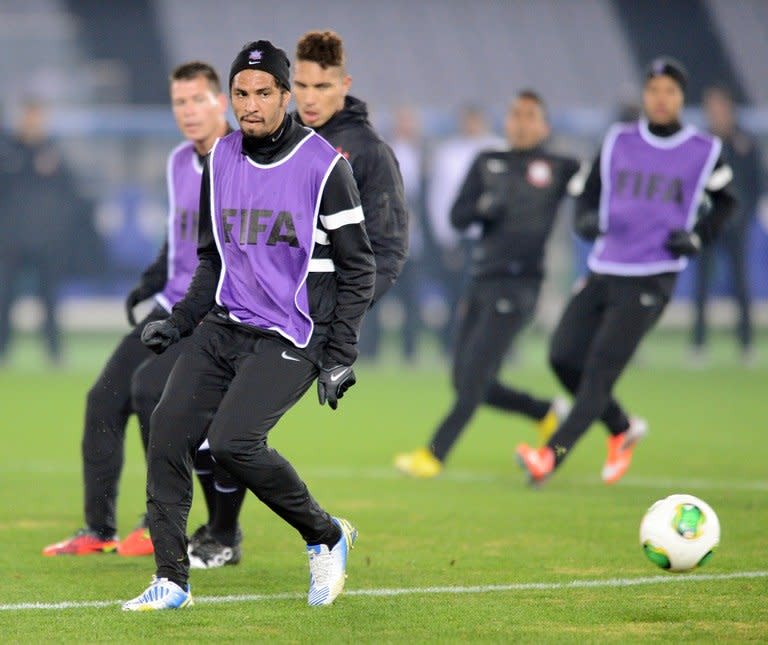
x=644 y=205
x=133 y=376
x=285 y=274
x=320 y=91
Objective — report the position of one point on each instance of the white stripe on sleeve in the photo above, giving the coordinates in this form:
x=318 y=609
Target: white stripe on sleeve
x=321 y=265
x=342 y=218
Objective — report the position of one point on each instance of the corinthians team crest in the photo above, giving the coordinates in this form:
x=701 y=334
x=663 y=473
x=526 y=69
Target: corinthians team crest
x=539 y=173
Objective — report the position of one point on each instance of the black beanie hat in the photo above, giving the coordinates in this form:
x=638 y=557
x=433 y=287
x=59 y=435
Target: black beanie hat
x=667 y=66
x=262 y=55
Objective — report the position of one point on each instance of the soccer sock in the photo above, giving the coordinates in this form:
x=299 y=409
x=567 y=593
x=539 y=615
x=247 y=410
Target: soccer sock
x=204 y=469
x=511 y=400
x=615 y=419
x=209 y=492
x=228 y=504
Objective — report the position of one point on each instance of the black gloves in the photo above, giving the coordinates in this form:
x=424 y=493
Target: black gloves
x=682 y=242
x=160 y=335
x=332 y=383
x=134 y=298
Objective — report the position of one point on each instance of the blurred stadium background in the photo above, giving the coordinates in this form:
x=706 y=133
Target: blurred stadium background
x=102 y=68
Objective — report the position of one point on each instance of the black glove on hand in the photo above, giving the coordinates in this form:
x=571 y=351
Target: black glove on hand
x=682 y=242
x=332 y=382
x=160 y=335
x=134 y=298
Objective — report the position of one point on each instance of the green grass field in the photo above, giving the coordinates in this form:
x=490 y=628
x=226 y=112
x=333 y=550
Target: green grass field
x=472 y=556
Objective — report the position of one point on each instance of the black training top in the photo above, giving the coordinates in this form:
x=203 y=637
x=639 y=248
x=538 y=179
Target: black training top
x=514 y=196
x=378 y=178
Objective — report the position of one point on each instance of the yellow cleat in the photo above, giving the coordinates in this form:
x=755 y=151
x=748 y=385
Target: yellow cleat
x=420 y=463
x=556 y=414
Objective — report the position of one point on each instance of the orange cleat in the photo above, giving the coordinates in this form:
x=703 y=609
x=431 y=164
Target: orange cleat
x=620 y=448
x=538 y=463
x=136 y=543
x=84 y=542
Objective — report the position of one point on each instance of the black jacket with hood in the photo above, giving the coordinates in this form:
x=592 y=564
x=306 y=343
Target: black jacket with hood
x=378 y=178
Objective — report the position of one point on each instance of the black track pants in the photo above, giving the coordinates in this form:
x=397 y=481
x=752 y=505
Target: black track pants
x=232 y=386
x=497 y=310
x=595 y=339
x=108 y=406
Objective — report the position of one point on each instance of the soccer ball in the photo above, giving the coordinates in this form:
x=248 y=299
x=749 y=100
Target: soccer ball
x=679 y=532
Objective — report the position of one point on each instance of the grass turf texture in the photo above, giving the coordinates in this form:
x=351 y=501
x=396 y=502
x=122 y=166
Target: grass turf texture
x=476 y=525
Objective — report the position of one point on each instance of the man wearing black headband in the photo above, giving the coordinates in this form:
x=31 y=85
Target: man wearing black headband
x=657 y=191
x=320 y=90
x=285 y=274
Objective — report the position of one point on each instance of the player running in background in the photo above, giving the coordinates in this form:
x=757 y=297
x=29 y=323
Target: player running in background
x=320 y=90
x=513 y=195
x=640 y=203
x=199 y=109
x=272 y=311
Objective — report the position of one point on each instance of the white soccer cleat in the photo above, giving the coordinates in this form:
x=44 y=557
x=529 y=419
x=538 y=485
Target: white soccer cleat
x=328 y=568
x=161 y=594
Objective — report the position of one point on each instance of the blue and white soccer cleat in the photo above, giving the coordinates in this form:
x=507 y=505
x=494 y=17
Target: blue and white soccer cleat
x=328 y=568
x=161 y=594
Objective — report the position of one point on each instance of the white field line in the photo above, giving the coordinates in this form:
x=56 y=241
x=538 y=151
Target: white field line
x=382 y=473
x=415 y=591
x=379 y=473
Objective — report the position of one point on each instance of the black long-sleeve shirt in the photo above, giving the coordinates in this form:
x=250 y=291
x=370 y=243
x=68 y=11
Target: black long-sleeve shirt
x=378 y=178
x=337 y=300
x=718 y=188
x=514 y=195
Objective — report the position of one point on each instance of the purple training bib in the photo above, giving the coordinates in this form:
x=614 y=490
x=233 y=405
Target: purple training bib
x=650 y=186
x=264 y=219
x=184 y=173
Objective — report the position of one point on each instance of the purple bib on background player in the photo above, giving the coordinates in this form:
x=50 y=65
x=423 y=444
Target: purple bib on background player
x=264 y=219
x=184 y=172
x=650 y=186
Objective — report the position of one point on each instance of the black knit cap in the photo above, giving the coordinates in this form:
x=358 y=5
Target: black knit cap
x=263 y=56
x=667 y=66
